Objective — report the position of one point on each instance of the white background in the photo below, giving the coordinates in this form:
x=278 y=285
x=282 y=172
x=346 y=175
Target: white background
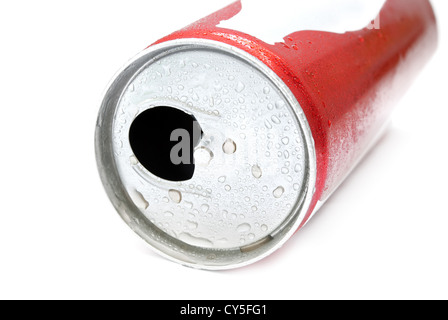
x=383 y=235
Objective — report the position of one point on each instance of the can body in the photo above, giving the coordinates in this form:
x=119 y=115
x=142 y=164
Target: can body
x=342 y=87
x=347 y=84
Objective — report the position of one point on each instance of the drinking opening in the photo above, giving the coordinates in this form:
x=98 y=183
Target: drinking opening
x=163 y=140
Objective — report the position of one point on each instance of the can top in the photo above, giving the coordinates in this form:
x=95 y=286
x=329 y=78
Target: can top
x=206 y=153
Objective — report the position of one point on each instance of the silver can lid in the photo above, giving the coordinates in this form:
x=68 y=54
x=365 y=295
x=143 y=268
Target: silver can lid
x=205 y=153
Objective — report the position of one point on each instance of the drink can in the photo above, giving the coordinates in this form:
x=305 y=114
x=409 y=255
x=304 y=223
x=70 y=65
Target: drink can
x=218 y=142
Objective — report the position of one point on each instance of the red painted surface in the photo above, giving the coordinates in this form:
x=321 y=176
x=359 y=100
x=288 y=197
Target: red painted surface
x=347 y=83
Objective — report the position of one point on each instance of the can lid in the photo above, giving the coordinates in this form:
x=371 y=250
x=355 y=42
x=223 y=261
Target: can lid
x=205 y=153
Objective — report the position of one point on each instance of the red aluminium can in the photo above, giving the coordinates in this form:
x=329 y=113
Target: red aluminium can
x=340 y=86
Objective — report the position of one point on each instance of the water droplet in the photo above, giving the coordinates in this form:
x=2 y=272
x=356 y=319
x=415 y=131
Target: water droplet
x=285 y=170
x=275 y=119
x=254 y=208
x=266 y=90
x=203 y=156
x=280 y=104
x=285 y=141
x=222 y=179
x=264 y=228
x=251 y=236
x=119 y=144
x=240 y=87
x=205 y=208
x=228 y=188
x=298 y=168
x=195 y=241
x=268 y=124
x=133 y=160
x=229 y=147
x=243 y=228
x=279 y=192
x=180 y=87
x=191 y=225
x=139 y=200
x=257 y=172
x=132 y=88
x=168 y=214
x=175 y=196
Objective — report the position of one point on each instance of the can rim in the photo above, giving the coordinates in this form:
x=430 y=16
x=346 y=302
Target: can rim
x=110 y=177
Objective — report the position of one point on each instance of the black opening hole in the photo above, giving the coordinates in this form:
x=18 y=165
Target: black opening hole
x=163 y=140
